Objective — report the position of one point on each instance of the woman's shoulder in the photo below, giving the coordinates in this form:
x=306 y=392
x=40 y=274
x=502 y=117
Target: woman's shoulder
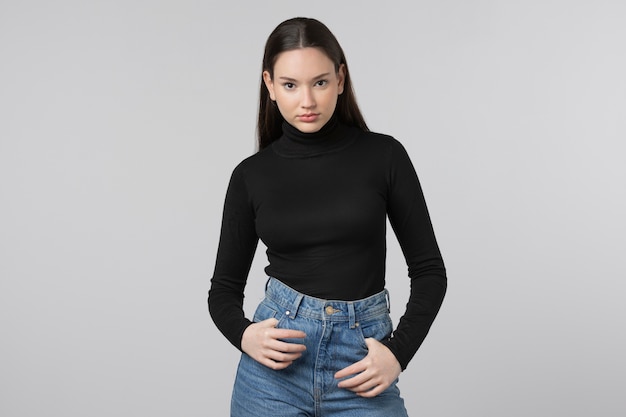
x=255 y=161
x=381 y=141
x=384 y=148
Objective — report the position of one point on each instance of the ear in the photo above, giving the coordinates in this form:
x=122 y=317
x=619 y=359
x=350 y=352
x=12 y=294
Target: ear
x=341 y=76
x=269 y=83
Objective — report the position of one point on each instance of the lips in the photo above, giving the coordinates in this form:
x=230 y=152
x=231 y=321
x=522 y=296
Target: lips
x=309 y=117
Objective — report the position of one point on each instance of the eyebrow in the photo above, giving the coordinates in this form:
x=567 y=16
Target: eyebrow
x=326 y=74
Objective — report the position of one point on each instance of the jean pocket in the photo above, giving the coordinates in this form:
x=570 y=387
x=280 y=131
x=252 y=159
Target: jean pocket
x=264 y=312
x=379 y=329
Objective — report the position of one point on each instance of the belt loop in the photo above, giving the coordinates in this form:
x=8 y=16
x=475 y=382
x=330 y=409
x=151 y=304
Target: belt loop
x=388 y=299
x=352 y=315
x=296 y=304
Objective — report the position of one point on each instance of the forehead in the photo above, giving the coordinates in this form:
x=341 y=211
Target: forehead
x=302 y=63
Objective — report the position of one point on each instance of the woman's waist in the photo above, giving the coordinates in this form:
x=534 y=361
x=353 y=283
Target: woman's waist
x=295 y=302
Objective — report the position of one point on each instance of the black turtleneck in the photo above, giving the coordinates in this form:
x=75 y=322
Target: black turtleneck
x=319 y=202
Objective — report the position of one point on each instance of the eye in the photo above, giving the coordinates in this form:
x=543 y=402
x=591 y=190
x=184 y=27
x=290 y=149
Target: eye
x=321 y=83
x=289 y=86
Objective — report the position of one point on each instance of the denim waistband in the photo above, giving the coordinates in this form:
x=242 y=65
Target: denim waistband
x=298 y=304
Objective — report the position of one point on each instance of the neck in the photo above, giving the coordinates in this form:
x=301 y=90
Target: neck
x=332 y=137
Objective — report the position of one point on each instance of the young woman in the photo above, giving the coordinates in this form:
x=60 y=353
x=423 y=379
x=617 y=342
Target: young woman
x=318 y=194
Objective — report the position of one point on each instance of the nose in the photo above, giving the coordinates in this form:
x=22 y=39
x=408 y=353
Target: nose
x=307 y=99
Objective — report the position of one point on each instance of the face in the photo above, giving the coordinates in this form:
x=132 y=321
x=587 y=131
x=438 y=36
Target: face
x=305 y=87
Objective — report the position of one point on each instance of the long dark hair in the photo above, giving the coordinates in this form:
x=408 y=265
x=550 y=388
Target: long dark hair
x=296 y=33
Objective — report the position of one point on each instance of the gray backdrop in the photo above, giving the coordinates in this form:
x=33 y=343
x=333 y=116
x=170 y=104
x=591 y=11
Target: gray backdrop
x=121 y=121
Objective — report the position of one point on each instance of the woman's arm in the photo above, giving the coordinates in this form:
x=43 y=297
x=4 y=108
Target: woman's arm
x=237 y=246
x=411 y=223
x=409 y=218
x=238 y=242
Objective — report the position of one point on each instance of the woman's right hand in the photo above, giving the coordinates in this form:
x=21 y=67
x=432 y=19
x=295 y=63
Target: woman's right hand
x=261 y=341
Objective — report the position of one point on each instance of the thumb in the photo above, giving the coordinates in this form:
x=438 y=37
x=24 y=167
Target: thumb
x=271 y=322
x=370 y=342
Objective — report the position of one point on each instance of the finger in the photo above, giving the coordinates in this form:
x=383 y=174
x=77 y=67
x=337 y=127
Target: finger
x=286 y=334
x=370 y=387
x=371 y=393
x=282 y=356
x=364 y=388
x=378 y=389
x=277 y=366
x=355 y=368
x=356 y=381
x=280 y=346
x=271 y=322
x=371 y=342
x=281 y=333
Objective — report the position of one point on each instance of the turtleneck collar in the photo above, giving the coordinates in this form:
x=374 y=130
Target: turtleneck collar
x=332 y=137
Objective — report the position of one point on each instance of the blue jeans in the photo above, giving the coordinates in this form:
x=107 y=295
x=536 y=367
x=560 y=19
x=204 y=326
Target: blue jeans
x=336 y=333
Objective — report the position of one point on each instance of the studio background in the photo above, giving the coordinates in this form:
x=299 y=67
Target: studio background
x=121 y=122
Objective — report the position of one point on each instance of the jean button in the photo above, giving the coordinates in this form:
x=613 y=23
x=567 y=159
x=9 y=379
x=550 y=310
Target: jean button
x=330 y=310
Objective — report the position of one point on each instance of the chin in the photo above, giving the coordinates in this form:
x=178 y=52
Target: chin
x=310 y=127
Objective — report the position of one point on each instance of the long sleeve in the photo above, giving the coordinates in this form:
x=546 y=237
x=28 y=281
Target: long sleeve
x=320 y=203
x=237 y=246
x=409 y=218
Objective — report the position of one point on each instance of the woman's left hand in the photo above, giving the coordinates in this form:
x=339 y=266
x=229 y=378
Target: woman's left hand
x=375 y=372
